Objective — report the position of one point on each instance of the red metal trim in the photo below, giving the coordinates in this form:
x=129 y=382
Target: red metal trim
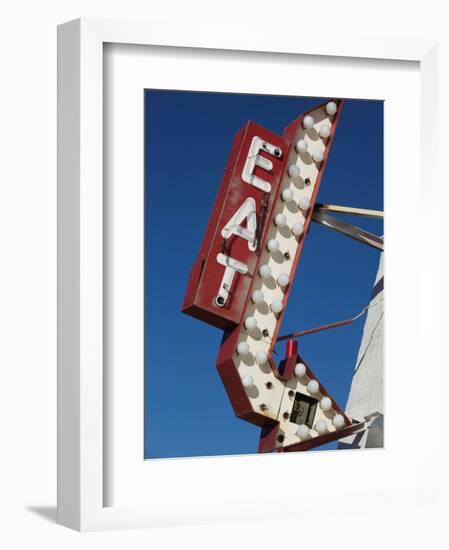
x=322 y=439
x=286 y=368
x=291 y=348
x=267 y=441
x=207 y=273
x=233 y=384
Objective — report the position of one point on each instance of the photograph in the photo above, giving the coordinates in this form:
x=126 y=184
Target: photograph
x=264 y=281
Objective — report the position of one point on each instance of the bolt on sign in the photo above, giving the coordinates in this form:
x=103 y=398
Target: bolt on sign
x=243 y=276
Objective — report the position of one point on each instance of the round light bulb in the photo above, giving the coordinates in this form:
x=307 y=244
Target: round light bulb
x=298 y=229
x=287 y=195
x=265 y=271
x=300 y=370
x=321 y=427
x=317 y=155
x=308 y=122
x=273 y=245
x=331 y=108
x=242 y=348
x=294 y=171
x=247 y=381
x=301 y=146
x=325 y=131
x=283 y=279
x=303 y=432
x=250 y=323
x=276 y=306
x=338 y=421
x=257 y=297
x=261 y=357
x=313 y=386
x=280 y=220
x=326 y=404
x=304 y=203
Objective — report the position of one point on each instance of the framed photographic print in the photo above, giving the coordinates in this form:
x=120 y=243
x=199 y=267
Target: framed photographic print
x=217 y=294
x=221 y=275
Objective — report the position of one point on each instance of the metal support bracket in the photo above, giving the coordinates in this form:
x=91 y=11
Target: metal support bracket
x=353 y=211
x=347 y=229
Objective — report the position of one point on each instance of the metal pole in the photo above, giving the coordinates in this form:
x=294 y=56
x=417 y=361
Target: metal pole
x=348 y=230
x=320 y=328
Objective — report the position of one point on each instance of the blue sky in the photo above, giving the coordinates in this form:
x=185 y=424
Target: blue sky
x=188 y=136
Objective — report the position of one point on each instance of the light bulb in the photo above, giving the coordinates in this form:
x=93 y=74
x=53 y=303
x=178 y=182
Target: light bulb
x=301 y=146
x=331 y=108
x=338 y=421
x=280 y=220
x=261 y=357
x=313 y=386
x=247 y=381
x=294 y=171
x=321 y=427
x=287 y=195
x=283 y=279
x=298 y=229
x=265 y=271
x=303 y=432
x=250 y=323
x=242 y=348
x=325 y=131
x=300 y=370
x=308 y=122
x=326 y=404
x=304 y=203
x=273 y=245
x=276 y=306
x=257 y=296
x=317 y=155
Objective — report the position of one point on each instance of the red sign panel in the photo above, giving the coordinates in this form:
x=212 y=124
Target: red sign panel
x=222 y=274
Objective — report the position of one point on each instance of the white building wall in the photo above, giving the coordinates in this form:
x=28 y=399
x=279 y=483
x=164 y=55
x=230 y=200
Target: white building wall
x=366 y=396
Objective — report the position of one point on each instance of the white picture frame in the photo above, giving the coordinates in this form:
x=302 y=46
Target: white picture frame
x=85 y=499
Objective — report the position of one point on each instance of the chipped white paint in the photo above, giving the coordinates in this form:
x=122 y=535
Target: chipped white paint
x=254 y=159
x=247 y=211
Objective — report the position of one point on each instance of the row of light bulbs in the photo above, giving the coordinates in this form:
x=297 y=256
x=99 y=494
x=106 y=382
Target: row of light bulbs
x=294 y=172
x=308 y=120
x=258 y=297
x=320 y=427
x=313 y=387
x=297 y=229
x=324 y=132
x=301 y=147
x=287 y=196
x=280 y=219
x=273 y=244
x=243 y=350
x=283 y=279
x=325 y=404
